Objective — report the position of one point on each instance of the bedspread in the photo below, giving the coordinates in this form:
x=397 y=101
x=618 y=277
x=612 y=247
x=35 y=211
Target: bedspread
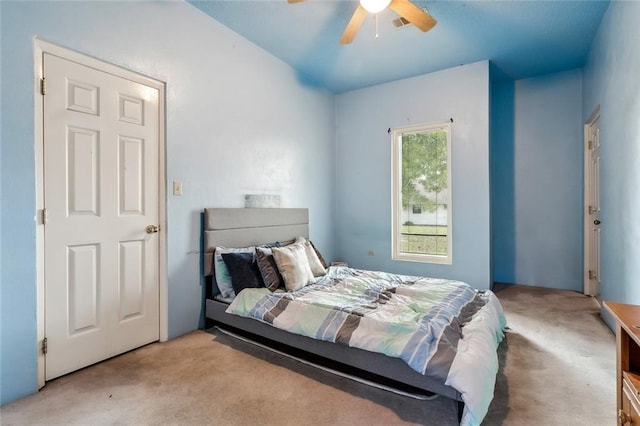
x=417 y=319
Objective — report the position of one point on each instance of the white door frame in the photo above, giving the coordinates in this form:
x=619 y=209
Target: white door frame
x=41 y=47
x=587 y=288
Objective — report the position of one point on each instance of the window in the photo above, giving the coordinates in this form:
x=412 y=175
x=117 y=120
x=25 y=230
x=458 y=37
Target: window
x=421 y=185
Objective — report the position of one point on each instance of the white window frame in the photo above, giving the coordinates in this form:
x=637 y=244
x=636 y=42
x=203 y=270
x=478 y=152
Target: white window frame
x=396 y=198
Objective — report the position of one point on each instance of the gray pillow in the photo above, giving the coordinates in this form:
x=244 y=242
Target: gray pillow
x=268 y=269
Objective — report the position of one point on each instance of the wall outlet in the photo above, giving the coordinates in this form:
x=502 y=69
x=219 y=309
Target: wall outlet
x=371 y=253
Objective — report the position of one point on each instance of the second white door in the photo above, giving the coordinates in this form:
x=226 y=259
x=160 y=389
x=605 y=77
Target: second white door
x=593 y=228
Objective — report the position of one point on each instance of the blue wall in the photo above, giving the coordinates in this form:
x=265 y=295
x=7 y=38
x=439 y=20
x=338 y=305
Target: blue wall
x=238 y=122
x=611 y=81
x=363 y=161
x=537 y=181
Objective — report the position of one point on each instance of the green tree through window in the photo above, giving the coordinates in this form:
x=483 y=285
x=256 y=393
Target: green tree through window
x=421 y=178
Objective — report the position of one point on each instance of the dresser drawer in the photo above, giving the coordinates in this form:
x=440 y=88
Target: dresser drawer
x=630 y=414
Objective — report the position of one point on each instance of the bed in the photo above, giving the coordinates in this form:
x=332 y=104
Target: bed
x=469 y=374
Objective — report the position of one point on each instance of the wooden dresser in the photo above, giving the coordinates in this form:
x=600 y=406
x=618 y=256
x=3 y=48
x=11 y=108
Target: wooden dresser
x=628 y=361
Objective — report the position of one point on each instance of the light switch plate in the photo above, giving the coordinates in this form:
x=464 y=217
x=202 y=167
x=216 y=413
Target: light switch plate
x=177 y=187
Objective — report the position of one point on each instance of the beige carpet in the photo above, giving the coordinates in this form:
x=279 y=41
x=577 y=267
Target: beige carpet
x=557 y=368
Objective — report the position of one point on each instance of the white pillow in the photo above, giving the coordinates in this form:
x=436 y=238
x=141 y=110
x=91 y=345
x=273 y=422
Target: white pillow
x=223 y=279
x=314 y=261
x=294 y=266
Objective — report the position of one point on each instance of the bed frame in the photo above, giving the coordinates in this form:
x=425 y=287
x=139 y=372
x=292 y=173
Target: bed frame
x=242 y=227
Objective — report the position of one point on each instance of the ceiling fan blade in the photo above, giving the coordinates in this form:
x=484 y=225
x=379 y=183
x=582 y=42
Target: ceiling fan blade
x=295 y=1
x=354 y=25
x=413 y=14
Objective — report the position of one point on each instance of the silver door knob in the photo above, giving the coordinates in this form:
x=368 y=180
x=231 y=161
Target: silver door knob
x=152 y=229
x=596 y=222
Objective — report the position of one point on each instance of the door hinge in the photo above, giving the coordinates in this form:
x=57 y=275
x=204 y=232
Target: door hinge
x=590 y=144
x=43 y=86
x=45 y=346
x=592 y=275
x=44 y=216
x=591 y=210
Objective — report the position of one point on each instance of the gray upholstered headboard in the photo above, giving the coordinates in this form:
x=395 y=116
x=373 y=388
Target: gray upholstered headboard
x=243 y=227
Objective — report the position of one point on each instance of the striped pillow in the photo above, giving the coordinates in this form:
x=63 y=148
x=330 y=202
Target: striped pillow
x=268 y=268
x=294 y=266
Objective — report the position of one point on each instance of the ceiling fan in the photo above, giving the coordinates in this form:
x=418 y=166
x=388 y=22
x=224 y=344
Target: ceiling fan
x=409 y=11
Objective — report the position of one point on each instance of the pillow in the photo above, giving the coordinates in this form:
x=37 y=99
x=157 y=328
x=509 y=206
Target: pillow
x=287 y=243
x=294 y=266
x=223 y=279
x=317 y=268
x=271 y=245
x=243 y=270
x=268 y=268
x=324 y=262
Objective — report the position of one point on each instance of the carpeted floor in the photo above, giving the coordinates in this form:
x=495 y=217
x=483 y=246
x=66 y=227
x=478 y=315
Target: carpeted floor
x=557 y=367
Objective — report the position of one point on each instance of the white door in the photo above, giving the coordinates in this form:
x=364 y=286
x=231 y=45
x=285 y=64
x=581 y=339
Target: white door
x=101 y=177
x=592 y=214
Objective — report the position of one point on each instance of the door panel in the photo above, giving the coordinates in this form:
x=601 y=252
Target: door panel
x=131 y=168
x=131 y=279
x=83 y=171
x=101 y=155
x=83 y=288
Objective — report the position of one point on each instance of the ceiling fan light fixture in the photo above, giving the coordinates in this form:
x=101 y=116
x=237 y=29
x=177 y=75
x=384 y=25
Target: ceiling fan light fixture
x=374 y=6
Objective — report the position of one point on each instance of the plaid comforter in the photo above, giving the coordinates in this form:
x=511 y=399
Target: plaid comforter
x=416 y=319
